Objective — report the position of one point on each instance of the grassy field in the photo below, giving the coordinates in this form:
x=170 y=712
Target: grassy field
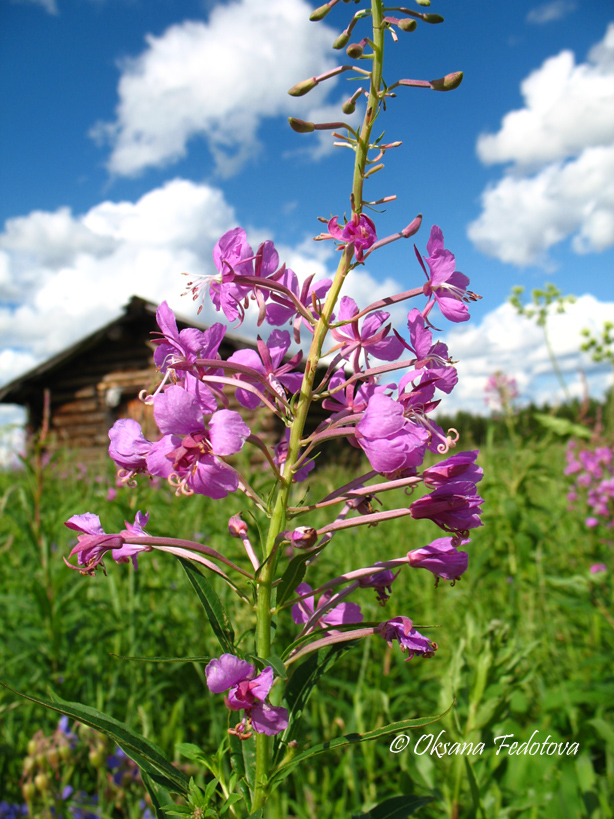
x=525 y=644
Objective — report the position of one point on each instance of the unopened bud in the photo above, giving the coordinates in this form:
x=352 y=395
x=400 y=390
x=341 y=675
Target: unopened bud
x=423 y=2
x=320 y=13
x=413 y=227
x=32 y=747
x=432 y=18
x=448 y=83
x=237 y=526
x=65 y=752
x=41 y=781
x=29 y=791
x=301 y=126
x=342 y=40
x=53 y=756
x=407 y=25
x=28 y=764
x=354 y=50
x=96 y=757
x=303 y=537
x=348 y=106
x=303 y=87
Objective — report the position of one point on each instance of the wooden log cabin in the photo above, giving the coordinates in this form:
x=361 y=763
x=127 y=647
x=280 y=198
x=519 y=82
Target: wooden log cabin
x=96 y=381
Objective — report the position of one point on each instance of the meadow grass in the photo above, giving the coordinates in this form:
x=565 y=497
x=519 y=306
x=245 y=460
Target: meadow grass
x=525 y=643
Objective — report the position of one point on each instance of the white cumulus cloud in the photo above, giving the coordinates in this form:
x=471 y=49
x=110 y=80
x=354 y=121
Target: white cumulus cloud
x=505 y=341
x=215 y=80
x=560 y=182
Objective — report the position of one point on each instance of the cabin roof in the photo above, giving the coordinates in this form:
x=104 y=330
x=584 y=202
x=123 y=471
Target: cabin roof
x=20 y=389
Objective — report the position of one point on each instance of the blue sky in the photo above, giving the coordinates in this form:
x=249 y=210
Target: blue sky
x=137 y=131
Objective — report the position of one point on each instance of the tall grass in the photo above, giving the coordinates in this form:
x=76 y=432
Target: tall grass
x=525 y=643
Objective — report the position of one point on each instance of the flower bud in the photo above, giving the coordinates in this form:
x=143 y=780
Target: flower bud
x=319 y=13
x=407 y=25
x=237 y=526
x=28 y=764
x=303 y=537
x=41 y=782
x=65 y=752
x=348 y=107
x=29 y=791
x=301 y=126
x=303 y=87
x=423 y=2
x=96 y=757
x=448 y=83
x=32 y=747
x=432 y=18
x=342 y=40
x=53 y=757
x=354 y=50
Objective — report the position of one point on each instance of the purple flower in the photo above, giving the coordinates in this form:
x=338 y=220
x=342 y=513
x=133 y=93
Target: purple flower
x=178 y=351
x=342 y=614
x=391 y=442
x=402 y=629
x=446 y=286
x=281 y=309
x=128 y=448
x=373 y=337
x=247 y=692
x=93 y=542
x=381 y=582
x=192 y=463
x=598 y=567
x=360 y=231
x=453 y=506
x=268 y=362
x=452 y=468
x=441 y=558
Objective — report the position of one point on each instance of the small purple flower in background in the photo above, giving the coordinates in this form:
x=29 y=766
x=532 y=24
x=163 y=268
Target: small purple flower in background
x=124 y=770
x=596 y=568
x=402 y=629
x=340 y=615
x=246 y=692
x=500 y=392
x=441 y=558
x=381 y=582
x=12 y=810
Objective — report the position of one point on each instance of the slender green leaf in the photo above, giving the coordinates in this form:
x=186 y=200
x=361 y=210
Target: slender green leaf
x=474 y=787
x=397 y=807
x=352 y=739
x=212 y=605
x=147 y=756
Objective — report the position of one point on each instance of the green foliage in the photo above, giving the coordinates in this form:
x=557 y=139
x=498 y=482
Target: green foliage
x=525 y=638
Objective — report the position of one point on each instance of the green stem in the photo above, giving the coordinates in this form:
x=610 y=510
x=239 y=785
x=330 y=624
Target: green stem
x=284 y=485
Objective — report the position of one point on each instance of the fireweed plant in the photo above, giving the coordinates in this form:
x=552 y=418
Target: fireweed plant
x=264 y=686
